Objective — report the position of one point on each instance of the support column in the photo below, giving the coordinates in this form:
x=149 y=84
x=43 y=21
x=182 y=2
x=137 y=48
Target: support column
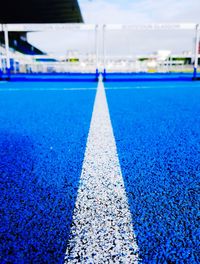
x=196 y=55
x=1 y=65
x=97 y=51
x=6 y=37
x=104 y=52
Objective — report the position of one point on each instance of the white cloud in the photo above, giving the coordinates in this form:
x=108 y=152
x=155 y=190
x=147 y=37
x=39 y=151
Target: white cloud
x=127 y=12
x=140 y=11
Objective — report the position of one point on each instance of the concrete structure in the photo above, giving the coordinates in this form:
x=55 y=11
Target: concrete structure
x=40 y=11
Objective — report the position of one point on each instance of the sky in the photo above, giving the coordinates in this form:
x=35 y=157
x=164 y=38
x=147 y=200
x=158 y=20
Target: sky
x=140 y=11
x=126 y=12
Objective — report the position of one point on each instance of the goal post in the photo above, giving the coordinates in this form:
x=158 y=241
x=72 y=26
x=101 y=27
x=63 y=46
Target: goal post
x=151 y=48
x=89 y=48
x=77 y=48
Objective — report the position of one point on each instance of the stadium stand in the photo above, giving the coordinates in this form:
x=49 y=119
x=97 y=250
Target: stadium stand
x=36 y=11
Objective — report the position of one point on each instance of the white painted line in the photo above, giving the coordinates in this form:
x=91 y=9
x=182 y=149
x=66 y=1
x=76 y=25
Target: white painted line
x=141 y=87
x=43 y=89
x=78 y=89
x=102 y=230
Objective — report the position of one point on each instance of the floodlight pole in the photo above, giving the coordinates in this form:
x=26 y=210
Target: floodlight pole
x=6 y=38
x=96 y=51
x=196 y=52
x=104 y=51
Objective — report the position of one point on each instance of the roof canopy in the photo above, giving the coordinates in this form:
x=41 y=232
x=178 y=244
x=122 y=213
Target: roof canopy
x=40 y=11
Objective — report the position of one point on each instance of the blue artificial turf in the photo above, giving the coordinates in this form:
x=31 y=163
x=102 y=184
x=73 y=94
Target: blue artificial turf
x=45 y=85
x=157 y=131
x=42 y=140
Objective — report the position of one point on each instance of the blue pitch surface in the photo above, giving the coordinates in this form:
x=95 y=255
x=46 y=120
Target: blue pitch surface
x=157 y=131
x=43 y=133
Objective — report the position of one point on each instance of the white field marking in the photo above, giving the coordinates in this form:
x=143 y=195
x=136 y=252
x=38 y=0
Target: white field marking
x=140 y=87
x=43 y=89
x=102 y=230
